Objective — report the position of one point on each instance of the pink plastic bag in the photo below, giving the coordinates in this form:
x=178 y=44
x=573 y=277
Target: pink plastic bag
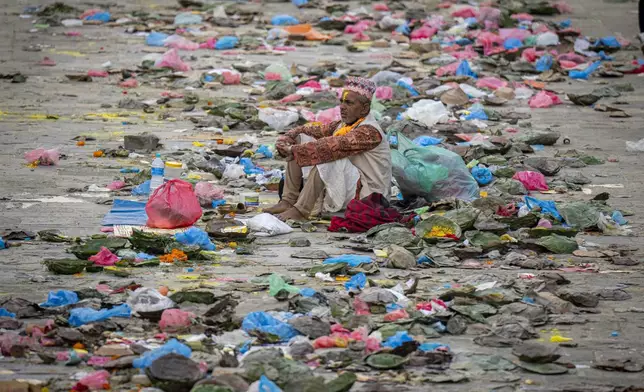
x=178 y=42
x=207 y=192
x=104 y=258
x=488 y=40
x=315 y=85
x=380 y=7
x=522 y=16
x=489 y=14
x=466 y=54
x=173 y=205
x=449 y=69
x=360 y=37
x=272 y=76
x=43 y=157
x=514 y=33
x=532 y=181
x=97 y=74
x=424 y=32
x=231 y=78
x=572 y=57
x=171 y=59
x=491 y=82
x=129 y=83
x=384 y=93
x=96 y=380
x=291 y=98
x=357 y=28
x=329 y=115
x=116 y=185
x=544 y=99
x=360 y=307
x=173 y=320
x=531 y=54
x=465 y=12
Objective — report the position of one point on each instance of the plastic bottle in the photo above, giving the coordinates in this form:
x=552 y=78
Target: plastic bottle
x=158 y=169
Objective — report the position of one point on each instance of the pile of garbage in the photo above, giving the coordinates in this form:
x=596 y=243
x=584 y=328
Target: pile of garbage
x=472 y=190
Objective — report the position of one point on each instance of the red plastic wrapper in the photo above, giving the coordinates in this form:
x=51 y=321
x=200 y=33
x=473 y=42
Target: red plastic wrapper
x=532 y=181
x=173 y=205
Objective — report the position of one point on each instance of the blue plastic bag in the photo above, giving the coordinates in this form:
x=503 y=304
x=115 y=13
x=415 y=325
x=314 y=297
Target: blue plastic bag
x=574 y=74
x=217 y=203
x=141 y=189
x=397 y=340
x=3 y=245
x=463 y=42
x=564 y=24
x=609 y=41
x=195 y=236
x=357 y=281
x=80 y=316
x=482 y=175
x=465 y=70
x=299 y=3
x=155 y=39
x=264 y=150
x=130 y=170
x=307 y=292
x=544 y=63
x=265 y=323
x=432 y=346
x=5 y=313
x=604 y=57
x=424 y=259
x=425 y=141
x=352 y=260
x=547 y=206
x=172 y=346
x=144 y=256
x=227 y=42
x=100 y=16
x=249 y=167
x=284 y=20
x=403 y=29
x=478 y=114
x=60 y=298
x=512 y=43
x=266 y=385
x=618 y=218
x=409 y=88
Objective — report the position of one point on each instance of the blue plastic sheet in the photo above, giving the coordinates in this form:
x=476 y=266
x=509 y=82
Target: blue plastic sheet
x=126 y=212
x=409 y=88
x=464 y=69
x=397 y=340
x=352 y=260
x=265 y=323
x=544 y=63
x=284 y=20
x=60 y=298
x=155 y=39
x=227 y=42
x=80 y=316
x=142 y=189
x=266 y=385
x=5 y=313
x=264 y=150
x=574 y=74
x=172 y=346
x=219 y=202
x=100 y=16
x=357 y=281
x=512 y=43
x=482 y=175
x=195 y=236
x=547 y=206
x=425 y=141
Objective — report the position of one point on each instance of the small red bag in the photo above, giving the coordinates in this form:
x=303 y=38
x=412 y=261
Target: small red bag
x=173 y=205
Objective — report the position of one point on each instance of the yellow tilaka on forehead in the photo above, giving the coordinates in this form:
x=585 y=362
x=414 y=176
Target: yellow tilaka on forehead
x=344 y=95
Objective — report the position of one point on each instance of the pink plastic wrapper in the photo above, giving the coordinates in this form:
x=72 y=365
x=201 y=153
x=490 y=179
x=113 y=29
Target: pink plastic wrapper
x=179 y=42
x=173 y=320
x=43 y=157
x=532 y=181
x=129 y=83
x=380 y=7
x=544 y=99
x=514 y=33
x=207 y=192
x=357 y=28
x=491 y=82
x=173 y=205
x=272 y=76
x=97 y=73
x=314 y=84
x=360 y=37
x=424 y=32
x=522 y=16
x=489 y=14
x=465 y=12
x=396 y=315
x=171 y=94
x=449 y=69
x=291 y=98
x=104 y=258
x=329 y=115
x=384 y=93
x=115 y=185
x=171 y=59
x=567 y=64
x=372 y=345
x=231 y=78
x=96 y=380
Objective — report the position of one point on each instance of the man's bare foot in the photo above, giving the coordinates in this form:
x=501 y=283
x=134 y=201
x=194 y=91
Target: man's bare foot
x=291 y=213
x=279 y=207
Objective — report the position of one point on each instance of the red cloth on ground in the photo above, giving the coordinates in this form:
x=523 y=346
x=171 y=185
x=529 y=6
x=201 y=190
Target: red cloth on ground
x=362 y=215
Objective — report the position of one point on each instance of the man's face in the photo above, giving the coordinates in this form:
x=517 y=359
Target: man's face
x=353 y=107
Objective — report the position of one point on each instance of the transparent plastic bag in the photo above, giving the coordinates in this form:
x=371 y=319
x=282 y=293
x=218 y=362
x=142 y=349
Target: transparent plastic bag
x=207 y=192
x=431 y=172
x=171 y=59
x=146 y=299
x=277 y=119
x=43 y=157
x=267 y=225
x=276 y=284
x=173 y=205
x=428 y=112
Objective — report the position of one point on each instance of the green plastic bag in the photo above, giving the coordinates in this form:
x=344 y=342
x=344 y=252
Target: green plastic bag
x=558 y=244
x=277 y=284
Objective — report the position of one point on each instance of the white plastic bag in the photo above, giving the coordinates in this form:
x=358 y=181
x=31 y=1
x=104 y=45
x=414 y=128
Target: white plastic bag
x=277 y=119
x=637 y=146
x=234 y=171
x=145 y=299
x=428 y=112
x=547 y=39
x=267 y=225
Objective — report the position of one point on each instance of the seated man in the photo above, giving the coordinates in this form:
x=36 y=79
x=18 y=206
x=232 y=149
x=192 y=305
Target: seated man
x=358 y=140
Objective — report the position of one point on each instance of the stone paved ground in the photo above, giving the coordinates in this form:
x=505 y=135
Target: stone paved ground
x=37 y=199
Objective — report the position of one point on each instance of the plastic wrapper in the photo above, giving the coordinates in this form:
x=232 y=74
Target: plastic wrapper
x=428 y=112
x=195 y=236
x=431 y=172
x=60 y=298
x=80 y=316
x=207 y=192
x=104 y=258
x=351 y=260
x=172 y=346
x=116 y=185
x=277 y=119
x=357 y=282
x=146 y=299
x=226 y=42
x=532 y=181
x=43 y=157
x=171 y=59
x=96 y=381
x=482 y=175
x=267 y=225
x=266 y=324
x=173 y=205
x=544 y=99
x=174 y=320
